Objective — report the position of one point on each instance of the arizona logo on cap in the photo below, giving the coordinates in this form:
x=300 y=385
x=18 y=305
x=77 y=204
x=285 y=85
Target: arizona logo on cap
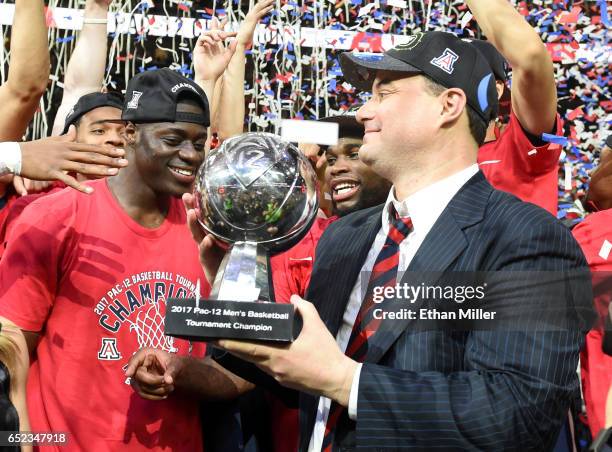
x=446 y=61
x=413 y=41
x=135 y=98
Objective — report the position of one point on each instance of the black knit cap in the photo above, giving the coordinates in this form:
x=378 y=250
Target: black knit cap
x=441 y=56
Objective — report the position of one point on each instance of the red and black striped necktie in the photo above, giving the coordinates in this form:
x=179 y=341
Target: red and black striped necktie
x=384 y=274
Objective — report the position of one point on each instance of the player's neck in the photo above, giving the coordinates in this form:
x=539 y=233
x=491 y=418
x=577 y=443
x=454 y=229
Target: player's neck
x=139 y=201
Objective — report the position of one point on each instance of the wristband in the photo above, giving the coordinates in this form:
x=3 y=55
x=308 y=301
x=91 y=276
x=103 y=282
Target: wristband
x=89 y=20
x=10 y=158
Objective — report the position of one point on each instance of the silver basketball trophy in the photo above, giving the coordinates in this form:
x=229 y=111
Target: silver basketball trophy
x=257 y=194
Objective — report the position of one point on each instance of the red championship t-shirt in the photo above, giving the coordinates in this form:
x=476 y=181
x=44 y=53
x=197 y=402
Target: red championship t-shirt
x=94 y=282
x=12 y=211
x=514 y=165
x=594 y=235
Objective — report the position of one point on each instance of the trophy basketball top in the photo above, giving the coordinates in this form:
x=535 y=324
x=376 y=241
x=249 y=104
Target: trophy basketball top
x=257 y=188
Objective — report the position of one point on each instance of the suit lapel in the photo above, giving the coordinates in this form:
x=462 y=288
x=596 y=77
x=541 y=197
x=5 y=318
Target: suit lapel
x=442 y=246
x=351 y=247
x=341 y=258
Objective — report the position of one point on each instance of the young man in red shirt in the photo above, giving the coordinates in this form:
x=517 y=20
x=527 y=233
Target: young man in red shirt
x=95 y=118
x=86 y=278
x=594 y=235
x=518 y=160
x=354 y=186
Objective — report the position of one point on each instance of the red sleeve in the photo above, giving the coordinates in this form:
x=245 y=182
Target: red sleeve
x=291 y=270
x=518 y=154
x=29 y=270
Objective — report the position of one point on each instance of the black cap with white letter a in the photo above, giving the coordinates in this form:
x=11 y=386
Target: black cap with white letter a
x=152 y=96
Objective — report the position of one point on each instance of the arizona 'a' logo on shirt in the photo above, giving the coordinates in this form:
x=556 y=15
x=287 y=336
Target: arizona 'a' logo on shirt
x=446 y=61
x=108 y=350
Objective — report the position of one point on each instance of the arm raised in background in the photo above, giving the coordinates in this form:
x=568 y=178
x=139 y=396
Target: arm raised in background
x=534 y=94
x=85 y=71
x=231 y=110
x=28 y=71
x=210 y=58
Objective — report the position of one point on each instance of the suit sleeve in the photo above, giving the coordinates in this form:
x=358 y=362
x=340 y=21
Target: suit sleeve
x=515 y=386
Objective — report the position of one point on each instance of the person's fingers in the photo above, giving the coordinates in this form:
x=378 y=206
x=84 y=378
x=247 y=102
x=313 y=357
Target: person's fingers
x=214 y=24
x=173 y=369
x=264 y=7
x=306 y=309
x=216 y=35
x=19 y=185
x=322 y=160
x=108 y=151
x=36 y=185
x=228 y=34
x=90 y=170
x=207 y=42
x=70 y=135
x=96 y=158
x=231 y=48
x=72 y=182
x=223 y=22
x=136 y=361
x=189 y=201
x=148 y=379
x=146 y=393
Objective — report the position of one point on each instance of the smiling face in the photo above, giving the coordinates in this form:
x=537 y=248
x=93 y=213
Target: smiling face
x=94 y=127
x=399 y=121
x=168 y=154
x=354 y=186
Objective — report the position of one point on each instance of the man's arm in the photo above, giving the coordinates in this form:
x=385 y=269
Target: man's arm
x=28 y=70
x=155 y=374
x=210 y=58
x=85 y=71
x=534 y=94
x=231 y=109
x=52 y=158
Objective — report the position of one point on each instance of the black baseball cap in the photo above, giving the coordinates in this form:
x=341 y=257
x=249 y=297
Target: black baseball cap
x=494 y=58
x=90 y=102
x=439 y=55
x=152 y=96
x=347 y=123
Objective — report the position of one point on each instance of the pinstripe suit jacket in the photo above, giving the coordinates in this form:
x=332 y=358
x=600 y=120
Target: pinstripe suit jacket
x=442 y=390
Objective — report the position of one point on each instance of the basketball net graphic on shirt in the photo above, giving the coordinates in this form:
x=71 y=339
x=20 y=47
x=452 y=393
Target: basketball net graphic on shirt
x=149 y=327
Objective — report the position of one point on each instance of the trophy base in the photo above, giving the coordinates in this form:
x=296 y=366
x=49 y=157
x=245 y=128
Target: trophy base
x=220 y=319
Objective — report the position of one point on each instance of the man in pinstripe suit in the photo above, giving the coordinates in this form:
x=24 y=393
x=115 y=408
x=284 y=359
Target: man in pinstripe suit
x=416 y=388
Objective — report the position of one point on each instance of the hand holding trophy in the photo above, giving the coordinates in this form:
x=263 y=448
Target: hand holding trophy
x=256 y=193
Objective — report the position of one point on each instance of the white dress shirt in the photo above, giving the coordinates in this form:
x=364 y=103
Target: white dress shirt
x=424 y=208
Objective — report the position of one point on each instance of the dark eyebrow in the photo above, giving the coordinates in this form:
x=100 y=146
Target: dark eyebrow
x=384 y=83
x=102 y=121
x=183 y=133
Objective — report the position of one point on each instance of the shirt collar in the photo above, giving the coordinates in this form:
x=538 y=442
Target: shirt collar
x=426 y=205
